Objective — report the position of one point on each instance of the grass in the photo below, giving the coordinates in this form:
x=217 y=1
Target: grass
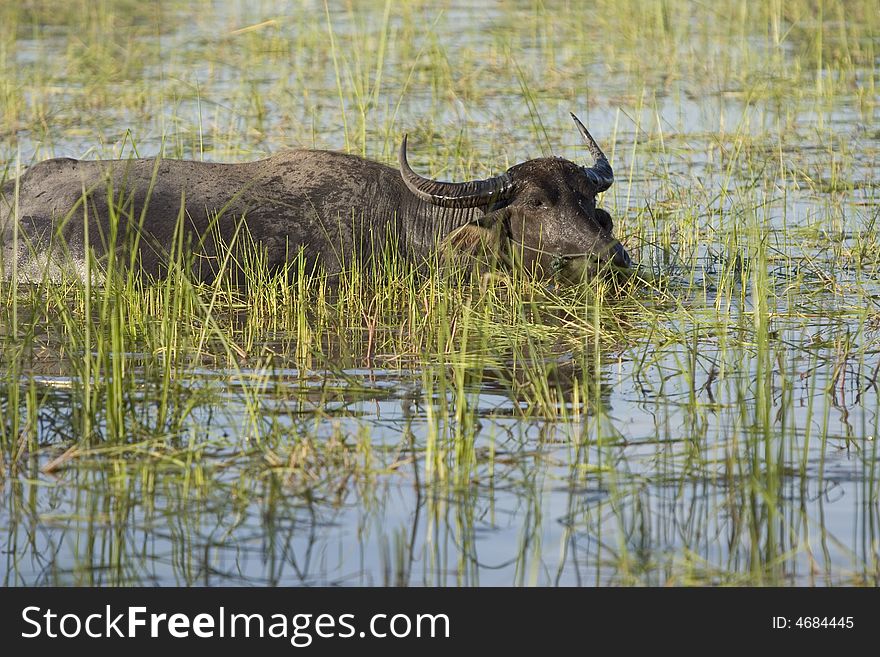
x=711 y=421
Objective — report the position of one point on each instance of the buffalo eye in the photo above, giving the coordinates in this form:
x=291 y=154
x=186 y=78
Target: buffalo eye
x=538 y=203
x=604 y=219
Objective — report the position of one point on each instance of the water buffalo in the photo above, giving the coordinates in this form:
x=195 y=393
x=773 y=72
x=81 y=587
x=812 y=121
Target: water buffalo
x=333 y=208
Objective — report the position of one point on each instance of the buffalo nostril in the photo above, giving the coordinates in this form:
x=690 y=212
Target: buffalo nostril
x=620 y=257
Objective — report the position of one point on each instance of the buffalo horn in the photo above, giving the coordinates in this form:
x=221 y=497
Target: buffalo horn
x=471 y=194
x=600 y=174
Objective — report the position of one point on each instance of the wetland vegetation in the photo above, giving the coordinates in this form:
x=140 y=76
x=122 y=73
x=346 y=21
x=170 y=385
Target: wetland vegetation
x=712 y=420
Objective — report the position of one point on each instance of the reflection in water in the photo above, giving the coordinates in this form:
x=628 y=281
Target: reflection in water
x=395 y=488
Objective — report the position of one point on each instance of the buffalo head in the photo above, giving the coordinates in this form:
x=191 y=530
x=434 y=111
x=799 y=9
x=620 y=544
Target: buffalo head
x=541 y=212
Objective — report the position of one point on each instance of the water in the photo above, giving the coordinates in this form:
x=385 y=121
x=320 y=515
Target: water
x=360 y=471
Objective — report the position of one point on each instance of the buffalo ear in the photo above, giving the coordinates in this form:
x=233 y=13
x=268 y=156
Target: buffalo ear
x=483 y=238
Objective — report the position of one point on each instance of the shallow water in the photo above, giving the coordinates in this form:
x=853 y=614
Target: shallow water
x=541 y=505
x=697 y=458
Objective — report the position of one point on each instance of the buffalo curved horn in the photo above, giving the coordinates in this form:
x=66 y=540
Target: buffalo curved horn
x=471 y=194
x=600 y=174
